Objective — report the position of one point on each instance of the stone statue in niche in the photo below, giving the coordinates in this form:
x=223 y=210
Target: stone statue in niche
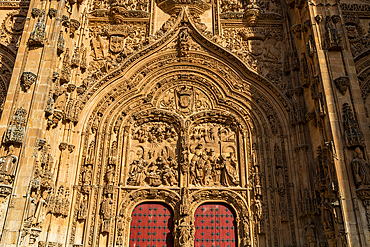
x=40 y=210
x=310 y=233
x=153 y=156
x=280 y=177
x=106 y=211
x=361 y=169
x=82 y=211
x=109 y=175
x=87 y=175
x=213 y=160
x=8 y=165
x=185 y=232
x=326 y=214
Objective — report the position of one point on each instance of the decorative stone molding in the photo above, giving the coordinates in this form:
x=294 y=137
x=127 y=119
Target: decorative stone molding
x=175 y=6
x=342 y=84
x=35 y=12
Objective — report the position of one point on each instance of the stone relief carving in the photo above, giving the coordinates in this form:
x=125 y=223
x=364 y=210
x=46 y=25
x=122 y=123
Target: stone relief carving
x=17 y=128
x=259 y=48
x=159 y=153
x=8 y=166
x=353 y=134
x=213 y=156
x=153 y=158
x=37 y=37
x=361 y=169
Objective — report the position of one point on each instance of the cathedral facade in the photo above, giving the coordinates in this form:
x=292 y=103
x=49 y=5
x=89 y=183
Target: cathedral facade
x=238 y=123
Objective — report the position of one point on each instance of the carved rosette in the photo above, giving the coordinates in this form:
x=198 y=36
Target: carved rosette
x=28 y=78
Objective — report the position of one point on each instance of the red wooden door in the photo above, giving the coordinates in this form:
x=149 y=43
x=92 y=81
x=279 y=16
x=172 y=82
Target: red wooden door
x=215 y=226
x=151 y=226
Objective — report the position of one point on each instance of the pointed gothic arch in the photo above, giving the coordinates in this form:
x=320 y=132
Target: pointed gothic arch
x=156 y=87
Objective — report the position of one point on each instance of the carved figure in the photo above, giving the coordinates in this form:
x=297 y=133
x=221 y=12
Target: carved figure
x=184 y=204
x=137 y=175
x=259 y=207
x=310 y=233
x=40 y=210
x=280 y=177
x=229 y=174
x=8 y=166
x=82 y=211
x=109 y=175
x=361 y=169
x=196 y=166
x=153 y=173
x=271 y=50
x=326 y=214
x=185 y=232
x=169 y=177
x=106 y=211
x=87 y=175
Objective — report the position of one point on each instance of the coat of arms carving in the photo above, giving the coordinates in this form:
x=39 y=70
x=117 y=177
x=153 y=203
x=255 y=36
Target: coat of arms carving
x=185 y=99
x=116 y=43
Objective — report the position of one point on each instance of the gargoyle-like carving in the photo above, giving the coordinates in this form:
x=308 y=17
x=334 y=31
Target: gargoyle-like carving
x=297 y=30
x=342 y=84
x=28 y=78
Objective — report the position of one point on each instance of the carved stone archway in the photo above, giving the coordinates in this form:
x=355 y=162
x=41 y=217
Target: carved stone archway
x=183 y=128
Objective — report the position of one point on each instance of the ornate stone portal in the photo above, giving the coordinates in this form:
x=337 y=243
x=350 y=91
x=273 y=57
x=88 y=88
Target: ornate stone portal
x=184 y=123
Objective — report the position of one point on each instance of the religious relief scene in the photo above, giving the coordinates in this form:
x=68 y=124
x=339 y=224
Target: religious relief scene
x=153 y=155
x=213 y=158
x=197 y=123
